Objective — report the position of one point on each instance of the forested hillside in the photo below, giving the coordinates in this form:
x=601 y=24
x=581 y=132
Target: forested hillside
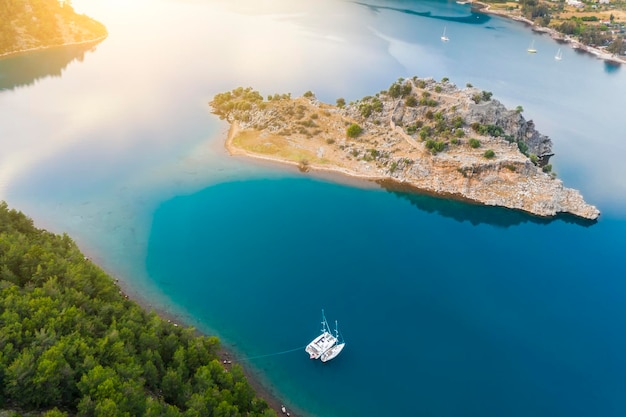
x=72 y=344
x=27 y=24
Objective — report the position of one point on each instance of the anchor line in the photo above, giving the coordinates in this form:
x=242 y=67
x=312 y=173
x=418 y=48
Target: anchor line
x=272 y=354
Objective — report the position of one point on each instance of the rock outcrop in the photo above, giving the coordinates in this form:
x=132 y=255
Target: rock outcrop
x=428 y=135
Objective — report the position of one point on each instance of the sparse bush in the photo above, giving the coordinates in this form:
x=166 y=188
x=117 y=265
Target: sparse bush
x=533 y=158
x=489 y=154
x=354 y=130
x=309 y=94
x=547 y=168
x=330 y=141
x=474 y=143
x=523 y=148
x=341 y=102
x=435 y=146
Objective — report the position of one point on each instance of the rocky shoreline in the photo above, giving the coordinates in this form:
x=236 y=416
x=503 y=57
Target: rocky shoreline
x=429 y=135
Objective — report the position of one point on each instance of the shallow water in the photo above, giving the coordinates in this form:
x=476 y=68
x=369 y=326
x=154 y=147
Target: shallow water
x=447 y=308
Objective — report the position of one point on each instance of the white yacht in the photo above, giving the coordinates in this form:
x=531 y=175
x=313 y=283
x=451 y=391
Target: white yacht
x=321 y=343
x=335 y=349
x=559 y=55
x=443 y=36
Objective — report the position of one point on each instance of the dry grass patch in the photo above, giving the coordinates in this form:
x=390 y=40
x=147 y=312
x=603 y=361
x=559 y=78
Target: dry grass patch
x=274 y=145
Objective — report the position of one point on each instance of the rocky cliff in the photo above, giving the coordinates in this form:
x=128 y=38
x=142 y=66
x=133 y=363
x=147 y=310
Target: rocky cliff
x=429 y=135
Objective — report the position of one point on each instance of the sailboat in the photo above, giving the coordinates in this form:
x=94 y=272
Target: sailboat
x=559 y=55
x=321 y=343
x=531 y=49
x=443 y=36
x=336 y=349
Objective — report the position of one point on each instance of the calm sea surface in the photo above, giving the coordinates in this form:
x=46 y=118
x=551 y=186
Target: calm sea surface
x=447 y=309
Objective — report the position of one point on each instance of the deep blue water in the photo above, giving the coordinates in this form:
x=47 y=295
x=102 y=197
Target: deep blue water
x=441 y=317
x=448 y=309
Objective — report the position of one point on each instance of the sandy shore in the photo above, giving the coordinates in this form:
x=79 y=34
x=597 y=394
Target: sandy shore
x=331 y=172
x=41 y=48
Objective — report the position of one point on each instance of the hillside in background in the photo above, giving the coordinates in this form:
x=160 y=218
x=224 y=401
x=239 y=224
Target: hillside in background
x=28 y=24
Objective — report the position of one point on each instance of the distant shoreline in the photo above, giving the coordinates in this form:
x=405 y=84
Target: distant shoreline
x=557 y=36
x=44 y=47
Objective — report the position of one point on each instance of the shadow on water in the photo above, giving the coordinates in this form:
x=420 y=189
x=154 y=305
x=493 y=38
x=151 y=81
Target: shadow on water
x=611 y=67
x=472 y=18
x=23 y=70
x=475 y=213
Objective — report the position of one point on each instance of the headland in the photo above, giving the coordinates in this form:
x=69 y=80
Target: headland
x=430 y=136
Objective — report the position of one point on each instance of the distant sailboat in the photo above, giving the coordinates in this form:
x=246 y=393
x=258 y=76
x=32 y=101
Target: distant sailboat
x=443 y=36
x=559 y=55
x=531 y=49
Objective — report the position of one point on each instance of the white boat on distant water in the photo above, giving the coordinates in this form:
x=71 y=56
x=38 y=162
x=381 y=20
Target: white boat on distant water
x=336 y=349
x=321 y=343
x=559 y=55
x=531 y=49
x=443 y=36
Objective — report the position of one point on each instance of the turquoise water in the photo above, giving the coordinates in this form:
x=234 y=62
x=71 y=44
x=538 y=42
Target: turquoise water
x=447 y=308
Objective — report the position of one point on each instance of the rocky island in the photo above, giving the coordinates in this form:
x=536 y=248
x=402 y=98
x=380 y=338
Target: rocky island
x=422 y=134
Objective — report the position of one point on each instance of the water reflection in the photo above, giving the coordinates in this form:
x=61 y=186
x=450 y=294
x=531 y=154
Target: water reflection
x=472 y=18
x=24 y=70
x=474 y=213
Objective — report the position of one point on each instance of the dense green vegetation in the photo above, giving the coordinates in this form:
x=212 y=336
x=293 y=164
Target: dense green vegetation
x=69 y=340
x=36 y=23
